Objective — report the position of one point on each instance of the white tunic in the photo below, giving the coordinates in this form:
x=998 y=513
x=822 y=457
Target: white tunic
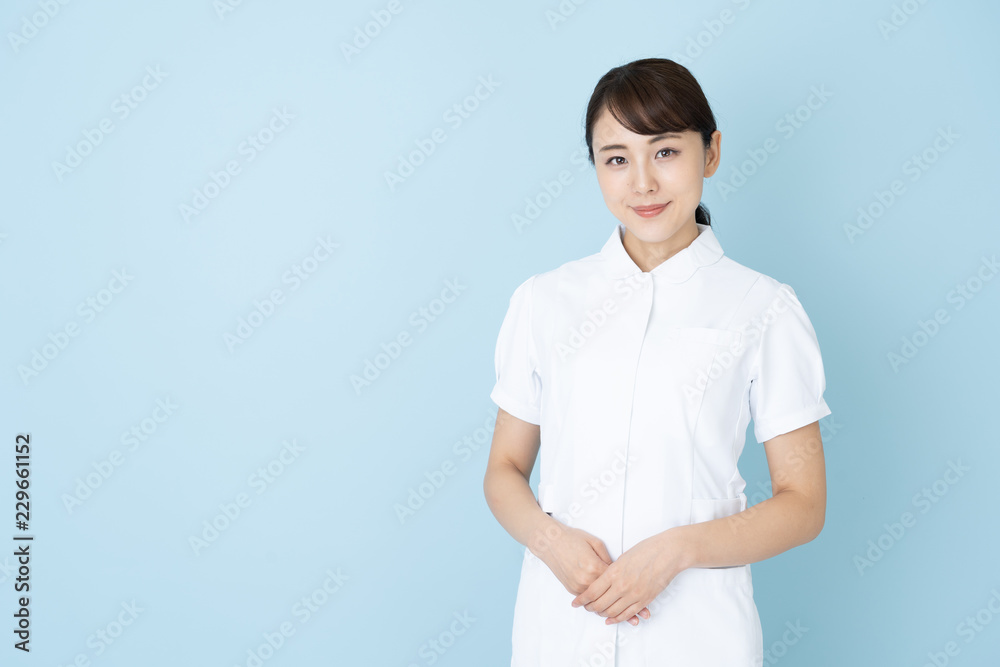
x=643 y=385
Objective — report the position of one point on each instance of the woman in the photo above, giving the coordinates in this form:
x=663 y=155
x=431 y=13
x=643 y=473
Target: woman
x=635 y=372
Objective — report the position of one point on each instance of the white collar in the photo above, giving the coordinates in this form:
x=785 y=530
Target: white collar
x=704 y=250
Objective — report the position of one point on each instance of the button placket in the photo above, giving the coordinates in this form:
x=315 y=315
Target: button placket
x=645 y=293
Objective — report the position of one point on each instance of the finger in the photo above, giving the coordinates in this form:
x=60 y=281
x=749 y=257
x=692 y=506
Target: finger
x=584 y=598
x=629 y=612
x=596 y=589
x=644 y=614
x=603 y=603
x=617 y=610
x=635 y=619
x=600 y=550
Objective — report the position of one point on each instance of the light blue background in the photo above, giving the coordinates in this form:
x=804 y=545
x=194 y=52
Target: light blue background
x=892 y=432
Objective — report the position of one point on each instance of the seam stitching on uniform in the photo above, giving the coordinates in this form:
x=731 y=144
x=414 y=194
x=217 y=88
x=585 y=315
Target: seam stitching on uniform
x=736 y=311
x=533 y=349
x=755 y=366
x=742 y=301
x=694 y=441
x=734 y=440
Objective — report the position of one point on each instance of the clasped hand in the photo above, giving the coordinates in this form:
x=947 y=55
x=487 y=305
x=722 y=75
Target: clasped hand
x=619 y=590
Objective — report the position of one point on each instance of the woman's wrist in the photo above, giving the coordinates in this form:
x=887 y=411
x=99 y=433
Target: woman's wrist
x=678 y=550
x=545 y=531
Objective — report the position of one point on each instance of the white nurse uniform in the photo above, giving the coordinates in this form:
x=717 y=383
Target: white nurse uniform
x=643 y=385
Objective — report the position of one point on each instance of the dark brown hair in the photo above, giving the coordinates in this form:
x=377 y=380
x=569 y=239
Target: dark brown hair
x=653 y=96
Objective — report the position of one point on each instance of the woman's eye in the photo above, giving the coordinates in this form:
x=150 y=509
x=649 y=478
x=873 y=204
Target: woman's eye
x=612 y=159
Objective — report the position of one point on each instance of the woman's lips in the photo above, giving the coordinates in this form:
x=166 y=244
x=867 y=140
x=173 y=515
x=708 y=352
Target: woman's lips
x=649 y=211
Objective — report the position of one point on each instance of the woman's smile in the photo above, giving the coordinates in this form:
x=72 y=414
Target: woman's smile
x=649 y=211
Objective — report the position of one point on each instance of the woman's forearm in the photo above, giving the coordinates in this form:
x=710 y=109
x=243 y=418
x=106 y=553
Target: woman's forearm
x=513 y=504
x=766 y=529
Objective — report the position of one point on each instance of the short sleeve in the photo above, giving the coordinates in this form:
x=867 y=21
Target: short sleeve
x=518 y=382
x=787 y=380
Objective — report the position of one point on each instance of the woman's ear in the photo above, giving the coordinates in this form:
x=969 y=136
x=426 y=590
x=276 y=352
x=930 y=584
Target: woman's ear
x=713 y=154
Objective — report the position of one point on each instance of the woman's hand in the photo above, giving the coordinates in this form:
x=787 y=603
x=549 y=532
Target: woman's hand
x=633 y=581
x=577 y=559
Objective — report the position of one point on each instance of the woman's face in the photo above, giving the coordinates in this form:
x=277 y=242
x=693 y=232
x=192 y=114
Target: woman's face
x=668 y=171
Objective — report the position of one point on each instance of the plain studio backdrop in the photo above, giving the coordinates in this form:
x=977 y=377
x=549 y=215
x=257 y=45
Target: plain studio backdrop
x=254 y=257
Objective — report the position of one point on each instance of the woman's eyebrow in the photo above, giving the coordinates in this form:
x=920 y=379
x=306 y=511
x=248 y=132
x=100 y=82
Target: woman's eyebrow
x=659 y=137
